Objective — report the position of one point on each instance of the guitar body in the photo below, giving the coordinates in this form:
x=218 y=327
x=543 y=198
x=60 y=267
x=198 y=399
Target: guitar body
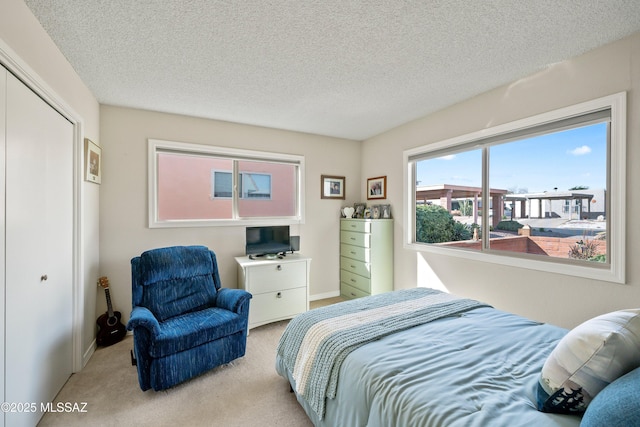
x=111 y=328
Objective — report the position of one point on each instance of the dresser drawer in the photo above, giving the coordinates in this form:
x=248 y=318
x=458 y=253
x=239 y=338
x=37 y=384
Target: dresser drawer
x=357 y=267
x=354 y=238
x=351 y=292
x=355 y=252
x=358 y=226
x=276 y=277
x=355 y=280
x=267 y=307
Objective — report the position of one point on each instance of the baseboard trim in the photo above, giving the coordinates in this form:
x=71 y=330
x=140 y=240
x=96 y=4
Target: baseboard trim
x=325 y=295
x=87 y=354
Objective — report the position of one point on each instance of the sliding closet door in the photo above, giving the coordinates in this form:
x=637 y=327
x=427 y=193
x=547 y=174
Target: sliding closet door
x=39 y=232
x=3 y=103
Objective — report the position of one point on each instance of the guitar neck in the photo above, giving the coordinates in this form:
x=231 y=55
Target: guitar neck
x=109 y=307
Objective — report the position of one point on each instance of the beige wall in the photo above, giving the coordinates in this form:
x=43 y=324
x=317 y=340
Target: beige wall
x=32 y=51
x=114 y=214
x=554 y=298
x=123 y=197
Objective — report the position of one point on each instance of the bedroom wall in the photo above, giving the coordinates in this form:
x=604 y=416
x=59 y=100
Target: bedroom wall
x=554 y=298
x=123 y=195
x=31 y=45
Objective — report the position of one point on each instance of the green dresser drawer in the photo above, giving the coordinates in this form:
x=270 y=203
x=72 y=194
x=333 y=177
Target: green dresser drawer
x=355 y=280
x=350 y=292
x=357 y=267
x=354 y=238
x=358 y=226
x=355 y=252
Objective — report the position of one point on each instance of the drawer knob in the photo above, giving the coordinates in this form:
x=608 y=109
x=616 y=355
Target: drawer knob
x=353 y=266
x=353 y=280
x=353 y=253
x=279 y=267
x=279 y=295
x=353 y=238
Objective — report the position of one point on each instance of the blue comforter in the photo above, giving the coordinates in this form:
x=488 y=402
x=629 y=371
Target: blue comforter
x=479 y=368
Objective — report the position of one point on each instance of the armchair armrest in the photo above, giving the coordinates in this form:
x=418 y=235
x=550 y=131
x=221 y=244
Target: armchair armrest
x=233 y=299
x=142 y=317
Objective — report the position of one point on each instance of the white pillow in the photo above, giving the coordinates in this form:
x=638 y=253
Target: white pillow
x=587 y=359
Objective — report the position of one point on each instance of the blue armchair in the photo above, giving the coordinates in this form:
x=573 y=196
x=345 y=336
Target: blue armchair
x=183 y=322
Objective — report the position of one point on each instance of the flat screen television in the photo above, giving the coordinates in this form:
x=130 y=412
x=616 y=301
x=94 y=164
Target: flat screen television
x=269 y=240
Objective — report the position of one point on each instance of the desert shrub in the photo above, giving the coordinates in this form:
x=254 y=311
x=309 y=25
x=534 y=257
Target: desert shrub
x=434 y=224
x=509 y=226
x=585 y=249
x=461 y=231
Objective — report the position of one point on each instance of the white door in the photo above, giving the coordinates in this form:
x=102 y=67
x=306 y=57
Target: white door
x=39 y=233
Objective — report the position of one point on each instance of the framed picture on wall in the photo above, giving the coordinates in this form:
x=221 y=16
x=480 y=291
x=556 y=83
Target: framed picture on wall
x=377 y=188
x=93 y=161
x=332 y=187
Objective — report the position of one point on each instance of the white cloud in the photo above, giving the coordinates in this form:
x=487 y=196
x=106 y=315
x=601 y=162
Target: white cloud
x=580 y=151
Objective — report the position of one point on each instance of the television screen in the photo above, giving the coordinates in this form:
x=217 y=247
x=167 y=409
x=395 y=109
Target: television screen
x=268 y=240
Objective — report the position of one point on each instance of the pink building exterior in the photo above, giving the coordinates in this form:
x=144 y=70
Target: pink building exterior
x=185 y=188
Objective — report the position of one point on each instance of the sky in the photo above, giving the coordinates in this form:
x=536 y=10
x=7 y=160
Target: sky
x=562 y=160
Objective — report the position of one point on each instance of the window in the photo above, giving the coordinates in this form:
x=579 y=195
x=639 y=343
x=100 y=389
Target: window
x=199 y=185
x=545 y=193
x=252 y=185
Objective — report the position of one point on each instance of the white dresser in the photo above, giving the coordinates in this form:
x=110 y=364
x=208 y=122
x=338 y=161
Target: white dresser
x=366 y=257
x=280 y=287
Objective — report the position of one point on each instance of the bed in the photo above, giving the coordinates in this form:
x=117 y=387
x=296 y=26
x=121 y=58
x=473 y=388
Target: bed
x=430 y=359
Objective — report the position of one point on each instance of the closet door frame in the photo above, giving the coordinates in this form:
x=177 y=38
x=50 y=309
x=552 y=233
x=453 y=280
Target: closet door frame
x=15 y=65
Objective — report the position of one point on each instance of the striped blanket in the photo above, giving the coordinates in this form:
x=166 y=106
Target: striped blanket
x=315 y=343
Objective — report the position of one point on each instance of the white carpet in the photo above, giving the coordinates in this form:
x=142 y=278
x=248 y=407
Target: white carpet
x=247 y=392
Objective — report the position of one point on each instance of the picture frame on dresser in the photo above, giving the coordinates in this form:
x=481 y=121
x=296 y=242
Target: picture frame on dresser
x=359 y=210
x=385 y=211
x=375 y=211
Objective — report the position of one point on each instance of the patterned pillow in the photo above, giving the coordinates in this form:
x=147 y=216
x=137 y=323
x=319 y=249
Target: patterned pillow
x=587 y=359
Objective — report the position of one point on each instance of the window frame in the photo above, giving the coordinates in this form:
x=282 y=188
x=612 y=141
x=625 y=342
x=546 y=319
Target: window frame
x=616 y=189
x=156 y=146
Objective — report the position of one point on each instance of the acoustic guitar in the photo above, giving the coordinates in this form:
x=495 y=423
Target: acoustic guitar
x=111 y=328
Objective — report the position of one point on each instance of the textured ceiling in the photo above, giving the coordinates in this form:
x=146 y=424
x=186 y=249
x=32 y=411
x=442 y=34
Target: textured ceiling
x=345 y=68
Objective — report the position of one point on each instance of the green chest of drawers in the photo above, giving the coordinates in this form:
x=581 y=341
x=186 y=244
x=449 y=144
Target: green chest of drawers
x=366 y=257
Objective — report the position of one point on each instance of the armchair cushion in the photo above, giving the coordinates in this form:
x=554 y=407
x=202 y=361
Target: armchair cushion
x=193 y=329
x=177 y=280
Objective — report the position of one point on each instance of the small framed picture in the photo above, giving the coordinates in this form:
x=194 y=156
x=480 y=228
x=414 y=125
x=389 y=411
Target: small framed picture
x=93 y=161
x=375 y=211
x=377 y=188
x=332 y=187
x=385 y=211
x=360 y=208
